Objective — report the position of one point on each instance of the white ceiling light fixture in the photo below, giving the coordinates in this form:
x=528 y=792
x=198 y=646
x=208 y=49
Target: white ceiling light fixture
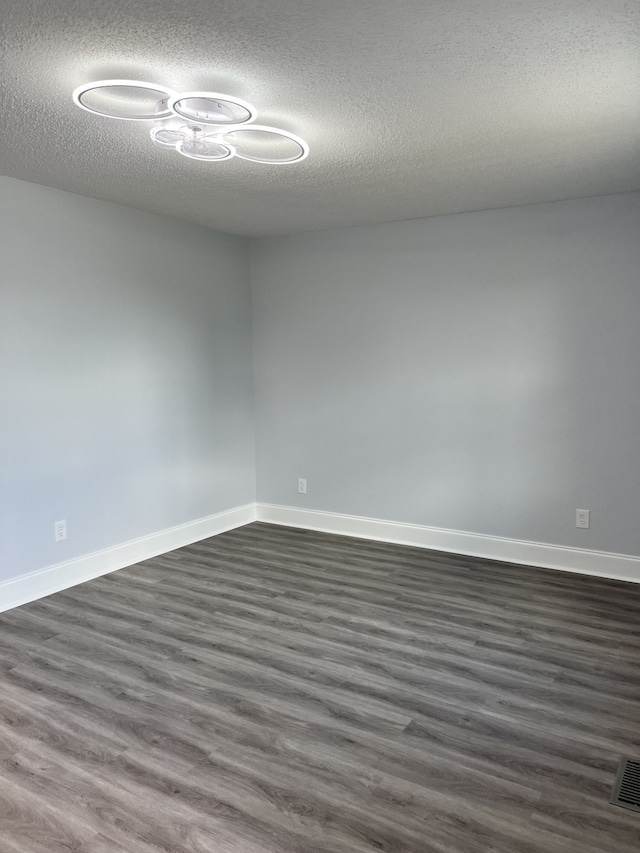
x=127 y=100
x=211 y=108
x=258 y=137
x=204 y=126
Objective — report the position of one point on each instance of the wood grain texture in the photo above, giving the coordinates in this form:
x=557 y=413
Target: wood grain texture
x=284 y=691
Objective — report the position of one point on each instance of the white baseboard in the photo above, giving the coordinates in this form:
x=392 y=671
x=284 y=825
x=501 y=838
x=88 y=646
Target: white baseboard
x=38 y=584
x=44 y=582
x=600 y=563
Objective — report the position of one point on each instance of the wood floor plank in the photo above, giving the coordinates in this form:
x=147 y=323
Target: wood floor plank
x=274 y=690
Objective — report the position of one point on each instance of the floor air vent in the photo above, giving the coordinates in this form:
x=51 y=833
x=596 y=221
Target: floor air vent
x=626 y=789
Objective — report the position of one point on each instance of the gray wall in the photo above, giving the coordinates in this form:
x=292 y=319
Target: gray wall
x=478 y=372
x=125 y=374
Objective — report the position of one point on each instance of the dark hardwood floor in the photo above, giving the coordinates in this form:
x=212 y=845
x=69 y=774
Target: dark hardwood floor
x=274 y=690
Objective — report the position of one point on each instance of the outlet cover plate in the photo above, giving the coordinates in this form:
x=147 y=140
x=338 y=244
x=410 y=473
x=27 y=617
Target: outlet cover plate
x=582 y=518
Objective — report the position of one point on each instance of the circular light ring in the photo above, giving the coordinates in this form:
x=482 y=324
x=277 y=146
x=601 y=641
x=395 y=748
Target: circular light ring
x=228 y=148
x=304 y=148
x=175 y=100
x=79 y=93
x=167 y=132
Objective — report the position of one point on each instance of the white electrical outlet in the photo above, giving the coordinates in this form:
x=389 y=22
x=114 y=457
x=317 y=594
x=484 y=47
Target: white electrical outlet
x=302 y=486
x=582 y=518
x=60 y=530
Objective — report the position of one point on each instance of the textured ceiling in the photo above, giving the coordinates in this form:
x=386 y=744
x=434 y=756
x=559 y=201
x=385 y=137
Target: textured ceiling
x=411 y=108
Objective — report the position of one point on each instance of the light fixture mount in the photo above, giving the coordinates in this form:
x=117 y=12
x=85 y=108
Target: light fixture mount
x=205 y=126
x=211 y=108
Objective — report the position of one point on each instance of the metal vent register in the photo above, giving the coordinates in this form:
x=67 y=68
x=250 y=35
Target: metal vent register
x=626 y=789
